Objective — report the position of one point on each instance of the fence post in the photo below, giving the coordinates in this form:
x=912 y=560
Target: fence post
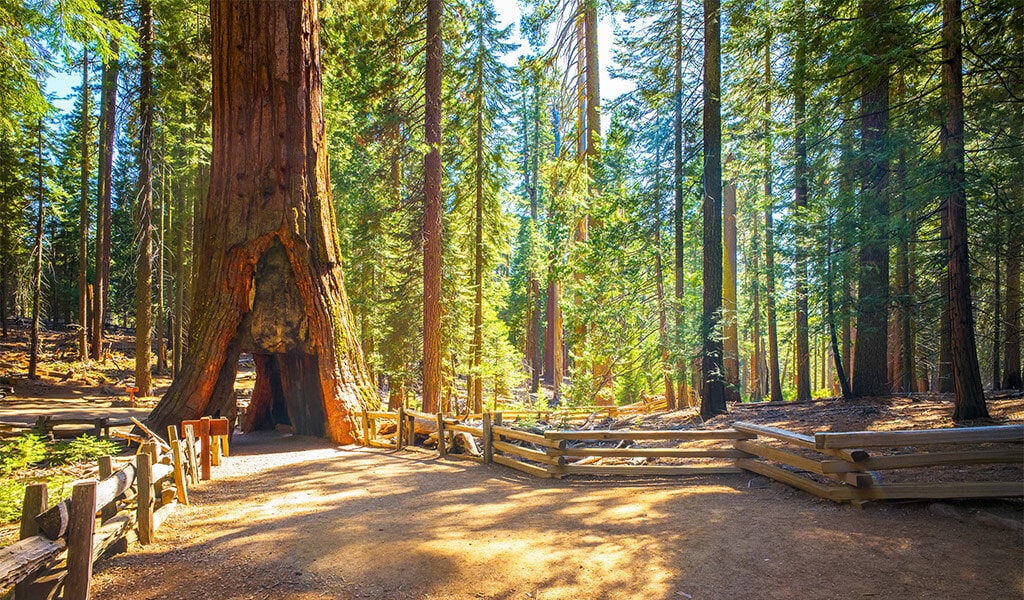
x=204 y=447
x=106 y=470
x=366 y=428
x=81 y=527
x=144 y=477
x=180 y=482
x=400 y=433
x=488 y=439
x=442 y=450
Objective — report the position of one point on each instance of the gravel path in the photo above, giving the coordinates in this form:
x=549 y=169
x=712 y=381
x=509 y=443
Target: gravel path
x=293 y=517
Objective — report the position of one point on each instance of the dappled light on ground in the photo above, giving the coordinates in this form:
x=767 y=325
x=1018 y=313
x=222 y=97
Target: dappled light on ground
x=307 y=520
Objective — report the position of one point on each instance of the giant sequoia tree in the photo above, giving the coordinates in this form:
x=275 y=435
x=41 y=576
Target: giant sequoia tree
x=270 y=278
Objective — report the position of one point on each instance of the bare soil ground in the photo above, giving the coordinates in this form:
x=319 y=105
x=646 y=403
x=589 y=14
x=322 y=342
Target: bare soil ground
x=293 y=517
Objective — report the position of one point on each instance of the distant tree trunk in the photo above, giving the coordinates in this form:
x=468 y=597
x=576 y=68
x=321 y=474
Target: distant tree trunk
x=531 y=172
x=5 y=275
x=144 y=263
x=659 y=280
x=757 y=370
x=108 y=124
x=678 y=211
x=871 y=352
x=432 y=214
x=161 y=310
x=554 y=365
x=83 y=218
x=997 y=312
x=945 y=366
x=37 y=262
x=969 y=400
x=774 y=376
x=713 y=393
x=478 y=264
x=269 y=275
x=803 y=366
x=730 y=327
x=1012 y=316
x=181 y=280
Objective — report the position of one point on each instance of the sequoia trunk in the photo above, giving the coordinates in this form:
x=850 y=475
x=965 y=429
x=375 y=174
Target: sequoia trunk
x=269 y=277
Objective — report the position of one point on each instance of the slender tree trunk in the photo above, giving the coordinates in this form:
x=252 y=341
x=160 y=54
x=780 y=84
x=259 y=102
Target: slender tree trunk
x=945 y=366
x=969 y=399
x=269 y=275
x=757 y=371
x=181 y=280
x=144 y=264
x=5 y=274
x=83 y=218
x=108 y=123
x=161 y=314
x=678 y=211
x=713 y=394
x=536 y=305
x=997 y=314
x=478 y=263
x=432 y=214
x=871 y=352
x=730 y=327
x=659 y=279
x=1012 y=317
x=37 y=262
x=803 y=376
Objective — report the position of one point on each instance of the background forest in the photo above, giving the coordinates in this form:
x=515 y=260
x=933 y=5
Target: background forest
x=576 y=227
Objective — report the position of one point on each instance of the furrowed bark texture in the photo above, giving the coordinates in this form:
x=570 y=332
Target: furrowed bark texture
x=269 y=276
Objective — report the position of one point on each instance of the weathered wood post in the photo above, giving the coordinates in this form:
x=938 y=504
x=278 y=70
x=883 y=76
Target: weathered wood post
x=488 y=438
x=215 y=450
x=180 y=482
x=144 y=475
x=106 y=465
x=36 y=501
x=204 y=447
x=400 y=432
x=366 y=427
x=81 y=527
x=442 y=449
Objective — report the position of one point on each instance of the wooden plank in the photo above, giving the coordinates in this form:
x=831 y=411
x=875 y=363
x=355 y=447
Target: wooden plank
x=926 y=459
x=653 y=452
x=935 y=491
x=525 y=468
x=663 y=434
x=475 y=431
x=478 y=459
x=525 y=436
x=837 y=493
x=190 y=451
x=160 y=515
x=22 y=558
x=219 y=426
x=798 y=439
x=215 y=450
x=648 y=470
x=393 y=416
x=854 y=478
x=80 y=538
x=142 y=427
x=162 y=472
x=964 y=435
x=111 y=532
x=528 y=454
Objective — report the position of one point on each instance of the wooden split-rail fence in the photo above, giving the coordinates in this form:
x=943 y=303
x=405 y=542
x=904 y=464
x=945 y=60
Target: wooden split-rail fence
x=839 y=466
x=60 y=543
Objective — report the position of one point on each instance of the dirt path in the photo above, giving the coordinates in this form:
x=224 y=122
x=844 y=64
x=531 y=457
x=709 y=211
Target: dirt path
x=291 y=517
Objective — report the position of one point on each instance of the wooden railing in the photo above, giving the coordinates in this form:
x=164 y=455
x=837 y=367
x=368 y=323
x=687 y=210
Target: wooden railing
x=831 y=465
x=850 y=472
x=59 y=544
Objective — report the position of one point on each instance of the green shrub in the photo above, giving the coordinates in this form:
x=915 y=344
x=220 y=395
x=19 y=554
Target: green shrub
x=82 y=449
x=12 y=494
x=21 y=452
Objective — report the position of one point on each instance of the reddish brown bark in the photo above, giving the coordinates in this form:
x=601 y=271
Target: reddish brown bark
x=269 y=277
x=432 y=215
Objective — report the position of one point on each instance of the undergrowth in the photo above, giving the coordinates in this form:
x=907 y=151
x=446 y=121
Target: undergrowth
x=27 y=458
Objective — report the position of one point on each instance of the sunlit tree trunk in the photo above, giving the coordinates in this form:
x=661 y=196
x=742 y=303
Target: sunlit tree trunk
x=432 y=214
x=37 y=261
x=803 y=363
x=144 y=264
x=269 y=275
x=83 y=218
